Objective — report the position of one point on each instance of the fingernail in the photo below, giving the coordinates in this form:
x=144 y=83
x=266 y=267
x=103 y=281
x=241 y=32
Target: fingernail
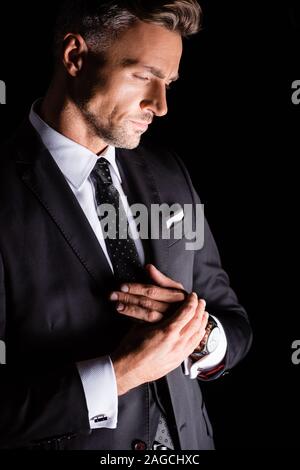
x=124 y=288
x=113 y=296
x=204 y=301
x=120 y=307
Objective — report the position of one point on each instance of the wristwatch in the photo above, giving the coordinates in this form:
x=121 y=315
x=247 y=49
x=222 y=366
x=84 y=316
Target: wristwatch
x=210 y=340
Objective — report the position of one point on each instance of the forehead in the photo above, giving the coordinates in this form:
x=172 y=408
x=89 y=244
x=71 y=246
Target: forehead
x=149 y=43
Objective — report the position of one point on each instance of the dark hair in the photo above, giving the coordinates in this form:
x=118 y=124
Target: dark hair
x=101 y=22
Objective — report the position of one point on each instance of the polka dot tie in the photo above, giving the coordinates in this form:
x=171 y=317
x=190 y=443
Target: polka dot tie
x=120 y=246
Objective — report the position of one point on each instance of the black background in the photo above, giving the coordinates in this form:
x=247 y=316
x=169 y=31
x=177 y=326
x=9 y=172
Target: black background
x=232 y=121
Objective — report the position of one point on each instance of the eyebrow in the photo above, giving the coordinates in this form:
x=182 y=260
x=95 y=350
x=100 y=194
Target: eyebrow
x=154 y=70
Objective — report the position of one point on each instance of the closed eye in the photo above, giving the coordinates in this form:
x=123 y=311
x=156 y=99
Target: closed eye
x=147 y=79
x=142 y=78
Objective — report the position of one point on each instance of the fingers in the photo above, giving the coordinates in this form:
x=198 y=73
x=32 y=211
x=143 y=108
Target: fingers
x=185 y=313
x=195 y=322
x=198 y=330
x=195 y=330
x=139 y=300
x=139 y=313
x=197 y=337
x=161 y=279
x=147 y=302
x=157 y=293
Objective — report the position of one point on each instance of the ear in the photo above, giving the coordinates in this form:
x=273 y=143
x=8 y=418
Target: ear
x=74 y=51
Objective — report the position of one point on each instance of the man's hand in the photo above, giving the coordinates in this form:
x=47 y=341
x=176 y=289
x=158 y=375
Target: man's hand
x=149 y=302
x=150 y=352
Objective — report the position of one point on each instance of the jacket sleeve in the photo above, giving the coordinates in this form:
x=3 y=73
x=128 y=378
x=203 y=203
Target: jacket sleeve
x=38 y=405
x=211 y=282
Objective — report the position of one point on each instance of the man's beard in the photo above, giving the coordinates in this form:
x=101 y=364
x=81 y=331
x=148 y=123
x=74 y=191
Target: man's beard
x=120 y=136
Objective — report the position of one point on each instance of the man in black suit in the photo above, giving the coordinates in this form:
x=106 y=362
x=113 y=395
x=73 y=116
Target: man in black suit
x=101 y=333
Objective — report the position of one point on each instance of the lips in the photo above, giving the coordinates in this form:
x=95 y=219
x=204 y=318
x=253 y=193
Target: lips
x=141 y=125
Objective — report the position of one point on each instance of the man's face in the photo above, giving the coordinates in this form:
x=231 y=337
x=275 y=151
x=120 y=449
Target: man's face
x=119 y=100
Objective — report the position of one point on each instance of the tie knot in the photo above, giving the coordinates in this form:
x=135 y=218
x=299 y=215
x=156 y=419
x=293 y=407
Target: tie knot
x=102 y=170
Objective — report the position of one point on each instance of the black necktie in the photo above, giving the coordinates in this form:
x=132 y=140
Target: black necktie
x=120 y=246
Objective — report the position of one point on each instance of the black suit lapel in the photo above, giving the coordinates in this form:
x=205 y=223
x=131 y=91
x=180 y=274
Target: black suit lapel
x=42 y=176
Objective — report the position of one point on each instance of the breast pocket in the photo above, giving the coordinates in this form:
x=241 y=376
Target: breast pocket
x=179 y=234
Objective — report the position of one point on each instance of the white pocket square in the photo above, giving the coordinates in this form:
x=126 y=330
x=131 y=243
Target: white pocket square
x=176 y=217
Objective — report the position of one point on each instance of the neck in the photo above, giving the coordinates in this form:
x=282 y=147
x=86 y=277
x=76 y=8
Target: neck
x=61 y=113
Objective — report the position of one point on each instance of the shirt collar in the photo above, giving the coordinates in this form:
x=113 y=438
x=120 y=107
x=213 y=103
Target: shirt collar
x=75 y=161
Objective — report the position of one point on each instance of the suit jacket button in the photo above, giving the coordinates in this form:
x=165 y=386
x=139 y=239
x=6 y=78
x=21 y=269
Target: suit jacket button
x=139 y=445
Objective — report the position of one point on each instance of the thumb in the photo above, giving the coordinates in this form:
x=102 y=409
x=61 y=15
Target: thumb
x=161 y=279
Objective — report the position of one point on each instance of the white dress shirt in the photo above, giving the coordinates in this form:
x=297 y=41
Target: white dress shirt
x=76 y=163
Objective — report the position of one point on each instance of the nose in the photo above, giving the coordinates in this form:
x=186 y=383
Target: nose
x=156 y=100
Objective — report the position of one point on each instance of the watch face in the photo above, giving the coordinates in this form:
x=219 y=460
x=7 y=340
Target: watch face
x=213 y=340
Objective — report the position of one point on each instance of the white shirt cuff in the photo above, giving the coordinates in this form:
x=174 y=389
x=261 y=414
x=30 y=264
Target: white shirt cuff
x=211 y=360
x=101 y=394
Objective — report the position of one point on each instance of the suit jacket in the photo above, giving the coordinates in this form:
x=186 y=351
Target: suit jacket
x=54 y=286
